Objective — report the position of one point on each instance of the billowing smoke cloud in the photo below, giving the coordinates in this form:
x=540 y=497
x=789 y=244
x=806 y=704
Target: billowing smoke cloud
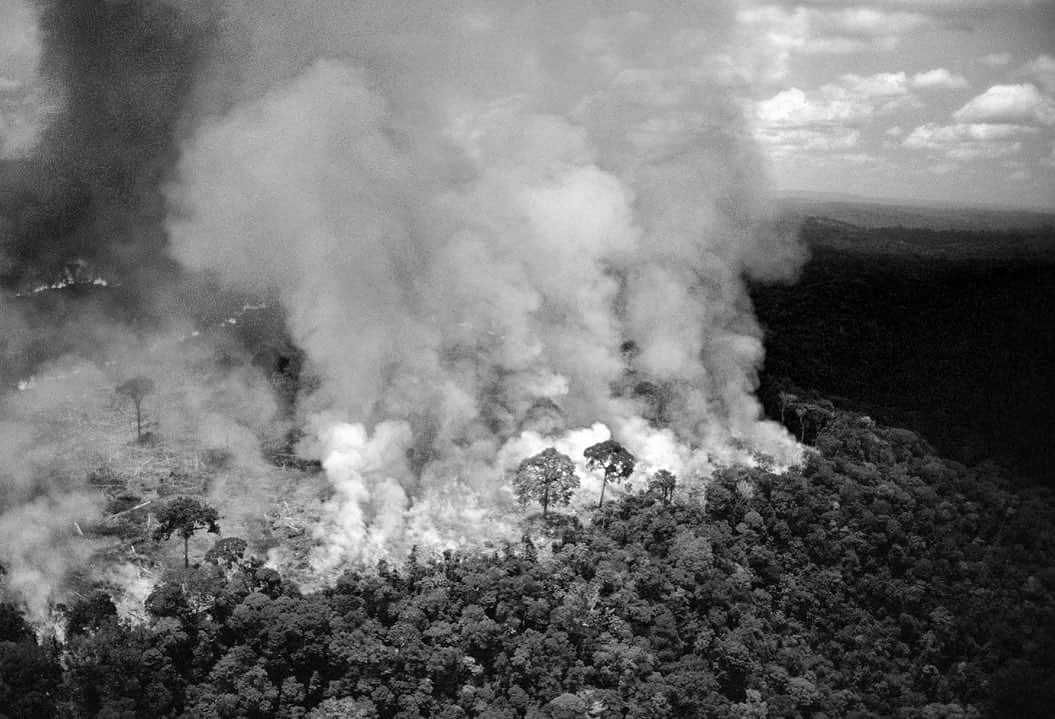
x=477 y=214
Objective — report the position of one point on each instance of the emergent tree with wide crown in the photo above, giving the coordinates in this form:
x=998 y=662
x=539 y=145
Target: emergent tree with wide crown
x=548 y=478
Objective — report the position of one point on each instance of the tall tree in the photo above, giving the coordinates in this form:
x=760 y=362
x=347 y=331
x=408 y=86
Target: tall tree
x=136 y=389
x=612 y=457
x=185 y=516
x=662 y=483
x=548 y=478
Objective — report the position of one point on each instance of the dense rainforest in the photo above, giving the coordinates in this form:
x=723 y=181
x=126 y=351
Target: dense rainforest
x=946 y=331
x=878 y=580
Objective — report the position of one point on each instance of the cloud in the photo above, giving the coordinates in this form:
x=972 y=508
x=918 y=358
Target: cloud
x=969 y=141
x=851 y=99
x=772 y=35
x=869 y=23
x=794 y=108
x=883 y=84
x=829 y=118
x=1008 y=104
x=938 y=79
x=936 y=7
x=996 y=59
x=981 y=132
x=1041 y=69
x=788 y=141
x=777 y=33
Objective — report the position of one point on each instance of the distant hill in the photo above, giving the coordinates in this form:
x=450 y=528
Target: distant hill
x=874 y=214
x=905 y=243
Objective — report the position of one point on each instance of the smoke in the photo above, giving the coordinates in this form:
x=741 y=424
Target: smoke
x=67 y=445
x=471 y=211
x=41 y=546
x=41 y=510
x=492 y=227
x=88 y=295
x=118 y=75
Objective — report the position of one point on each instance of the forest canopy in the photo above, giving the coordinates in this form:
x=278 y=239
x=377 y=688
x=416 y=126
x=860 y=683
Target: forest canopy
x=879 y=580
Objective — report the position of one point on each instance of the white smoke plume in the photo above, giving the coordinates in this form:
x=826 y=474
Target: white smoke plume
x=67 y=446
x=472 y=211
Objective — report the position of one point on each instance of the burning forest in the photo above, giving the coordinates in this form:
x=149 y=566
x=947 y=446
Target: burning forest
x=389 y=294
x=488 y=230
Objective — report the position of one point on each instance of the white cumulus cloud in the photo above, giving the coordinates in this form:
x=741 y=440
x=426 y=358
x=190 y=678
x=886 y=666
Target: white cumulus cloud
x=883 y=84
x=938 y=79
x=969 y=141
x=794 y=108
x=852 y=99
x=776 y=33
x=1008 y=103
x=829 y=118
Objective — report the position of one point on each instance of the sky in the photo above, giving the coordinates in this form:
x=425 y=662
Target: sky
x=948 y=101
x=937 y=101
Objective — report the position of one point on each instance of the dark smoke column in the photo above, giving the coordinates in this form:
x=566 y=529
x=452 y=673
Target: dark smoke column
x=124 y=70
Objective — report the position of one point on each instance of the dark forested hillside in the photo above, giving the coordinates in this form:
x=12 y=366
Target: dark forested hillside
x=878 y=581
x=948 y=332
